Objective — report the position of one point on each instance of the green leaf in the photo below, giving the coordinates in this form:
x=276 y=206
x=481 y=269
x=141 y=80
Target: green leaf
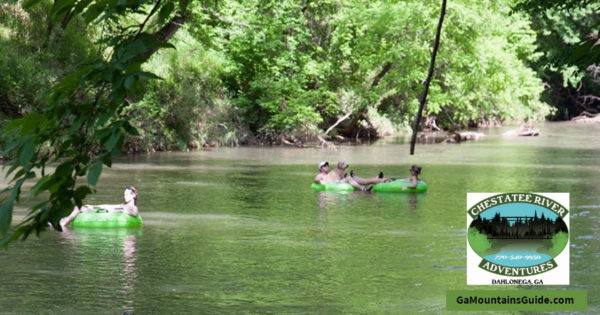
x=183 y=4
x=41 y=185
x=134 y=49
x=148 y=75
x=94 y=173
x=129 y=82
x=580 y=50
x=91 y=14
x=60 y=8
x=30 y=3
x=26 y=153
x=116 y=151
x=104 y=117
x=65 y=169
x=113 y=139
x=11 y=169
x=11 y=146
x=165 y=11
x=16 y=190
x=81 y=192
x=130 y=129
x=14 y=236
x=76 y=124
x=39 y=205
x=6 y=211
x=107 y=160
x=26 y=124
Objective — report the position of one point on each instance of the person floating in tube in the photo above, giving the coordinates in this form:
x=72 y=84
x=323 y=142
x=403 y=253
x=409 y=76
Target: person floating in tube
x=415 y=170
x=128 y=207
x=338 y=175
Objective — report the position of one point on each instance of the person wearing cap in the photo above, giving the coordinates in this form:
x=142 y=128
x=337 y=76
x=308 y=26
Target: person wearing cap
x=415 y=170
x=337 y=175
x=321 y=178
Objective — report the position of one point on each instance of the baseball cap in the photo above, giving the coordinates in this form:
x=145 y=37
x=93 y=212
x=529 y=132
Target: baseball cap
x=324 y=163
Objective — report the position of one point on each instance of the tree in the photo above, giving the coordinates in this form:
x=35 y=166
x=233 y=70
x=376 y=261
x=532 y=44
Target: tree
x=80 y=127
x=567 y=37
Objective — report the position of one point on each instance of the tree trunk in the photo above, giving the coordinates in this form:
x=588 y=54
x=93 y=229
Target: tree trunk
x=428 y=80
x=167 y=31
x=351 y=126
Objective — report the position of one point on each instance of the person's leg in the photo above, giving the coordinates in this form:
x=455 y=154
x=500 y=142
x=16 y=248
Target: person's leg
x=354 y=184
x=64 y=222
x=369 y=181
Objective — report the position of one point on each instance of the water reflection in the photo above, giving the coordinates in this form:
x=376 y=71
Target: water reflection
x=333 y=199
x=106 y=254
x=326 y=199
x=399 y=200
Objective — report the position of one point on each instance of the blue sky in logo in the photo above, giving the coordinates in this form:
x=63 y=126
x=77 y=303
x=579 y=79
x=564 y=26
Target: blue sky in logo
x=518 y=210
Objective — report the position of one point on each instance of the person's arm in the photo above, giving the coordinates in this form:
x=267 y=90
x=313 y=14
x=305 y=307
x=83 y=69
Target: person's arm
x=317 y=179
x=131 y=210
x=414 y=183
x=320 y=179
x=107 y=207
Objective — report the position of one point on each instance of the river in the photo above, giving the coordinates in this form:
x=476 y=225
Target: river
x=238 y=230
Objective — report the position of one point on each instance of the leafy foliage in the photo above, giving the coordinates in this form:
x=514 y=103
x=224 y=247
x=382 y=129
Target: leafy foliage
x=79 y=127
x=559 y=241
x=567 y=36
x=295 y=66
x=242 y=70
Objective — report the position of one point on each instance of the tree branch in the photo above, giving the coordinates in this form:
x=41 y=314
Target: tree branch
x=167 y=31
x=386 y=68
x=337 y=123
x=154 y=9
x=215 y=15
x=428 y=80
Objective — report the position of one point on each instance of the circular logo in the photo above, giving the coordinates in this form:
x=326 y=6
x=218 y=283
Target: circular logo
x=518 y=236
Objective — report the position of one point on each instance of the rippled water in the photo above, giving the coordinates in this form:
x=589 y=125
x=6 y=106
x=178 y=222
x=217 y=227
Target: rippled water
x=237 y=230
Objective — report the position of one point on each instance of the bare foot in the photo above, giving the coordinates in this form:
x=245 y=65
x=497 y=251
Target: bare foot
x=64 y=223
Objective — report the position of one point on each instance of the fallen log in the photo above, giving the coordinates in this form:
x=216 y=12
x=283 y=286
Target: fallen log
x=458 y=137
x=586 y=117
x=527 y=130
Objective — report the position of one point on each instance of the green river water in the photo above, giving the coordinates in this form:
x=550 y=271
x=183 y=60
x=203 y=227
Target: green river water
x=238 y=230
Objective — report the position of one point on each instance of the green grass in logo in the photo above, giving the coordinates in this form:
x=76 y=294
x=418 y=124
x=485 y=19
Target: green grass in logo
x=479 y=242
x=559 y=242
x=484 y=245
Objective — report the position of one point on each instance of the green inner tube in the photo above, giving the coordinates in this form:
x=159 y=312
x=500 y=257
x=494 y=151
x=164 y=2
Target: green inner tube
x=396 y=186
x=332 y=187
x=103 y=219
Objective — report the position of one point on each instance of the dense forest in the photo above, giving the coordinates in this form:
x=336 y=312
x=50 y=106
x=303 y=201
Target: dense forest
x=286 y=71
x=81 y=81
x=535 y=227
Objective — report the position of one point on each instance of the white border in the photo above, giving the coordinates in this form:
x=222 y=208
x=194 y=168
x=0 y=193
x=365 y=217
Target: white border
x=557 y=276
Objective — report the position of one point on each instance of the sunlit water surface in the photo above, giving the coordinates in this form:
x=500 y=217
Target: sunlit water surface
x=237 y=230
